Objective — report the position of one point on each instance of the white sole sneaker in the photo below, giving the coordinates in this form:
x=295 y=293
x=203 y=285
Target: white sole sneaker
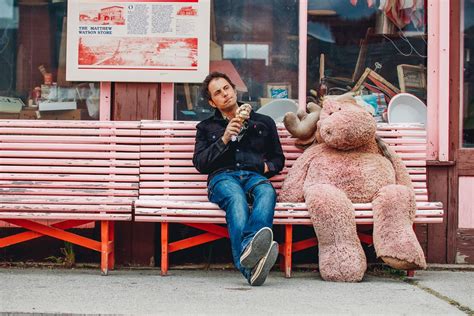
x=257 y=248
x=262 y=269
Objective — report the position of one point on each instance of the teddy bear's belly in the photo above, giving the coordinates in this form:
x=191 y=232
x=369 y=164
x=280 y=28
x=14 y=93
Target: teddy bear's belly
x=360 y=176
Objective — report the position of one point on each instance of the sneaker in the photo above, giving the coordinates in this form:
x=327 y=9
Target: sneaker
x=257 y=248
x=261 y=270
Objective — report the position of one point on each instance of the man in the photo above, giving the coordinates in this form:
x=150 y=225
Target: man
x=239 y=157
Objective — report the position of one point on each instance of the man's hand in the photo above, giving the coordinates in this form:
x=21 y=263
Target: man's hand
x=232 y=129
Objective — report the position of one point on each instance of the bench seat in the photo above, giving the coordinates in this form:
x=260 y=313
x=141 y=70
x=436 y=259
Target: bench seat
x=172 y=190
x=57 y=175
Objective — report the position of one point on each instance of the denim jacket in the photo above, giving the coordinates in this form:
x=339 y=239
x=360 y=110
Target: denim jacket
x=259 y=144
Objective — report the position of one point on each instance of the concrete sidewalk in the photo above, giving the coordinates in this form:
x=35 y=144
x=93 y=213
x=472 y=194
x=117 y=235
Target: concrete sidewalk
x=83 y=291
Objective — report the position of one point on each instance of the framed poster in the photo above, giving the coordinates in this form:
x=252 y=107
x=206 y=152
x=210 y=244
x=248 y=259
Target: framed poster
x=138 y=41
x=279 y=90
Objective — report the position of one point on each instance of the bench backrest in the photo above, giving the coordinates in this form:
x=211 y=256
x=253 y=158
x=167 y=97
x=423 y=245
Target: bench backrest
x=166 y=168
x=54 y=168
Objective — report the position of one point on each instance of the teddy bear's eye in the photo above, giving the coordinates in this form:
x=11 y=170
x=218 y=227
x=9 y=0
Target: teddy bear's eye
x=340 y=108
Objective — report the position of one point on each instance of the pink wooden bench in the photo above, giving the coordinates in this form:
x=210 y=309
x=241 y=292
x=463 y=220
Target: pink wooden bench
x=56 y=175
x=172 y=191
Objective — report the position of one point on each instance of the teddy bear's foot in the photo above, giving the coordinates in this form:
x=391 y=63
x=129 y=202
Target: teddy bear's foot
x=399 y=264
x=341 y=257
x=342 y=263
x=394 y=239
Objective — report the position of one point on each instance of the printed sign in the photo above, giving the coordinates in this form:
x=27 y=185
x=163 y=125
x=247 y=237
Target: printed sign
x=138 y=41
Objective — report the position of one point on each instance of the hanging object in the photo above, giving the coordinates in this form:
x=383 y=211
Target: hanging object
x=370 y=3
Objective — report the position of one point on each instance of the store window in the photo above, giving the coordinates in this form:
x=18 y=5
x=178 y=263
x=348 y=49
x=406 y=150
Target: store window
x=376 y=48
x=468 y=74
x=256 y=43
x=33 y=65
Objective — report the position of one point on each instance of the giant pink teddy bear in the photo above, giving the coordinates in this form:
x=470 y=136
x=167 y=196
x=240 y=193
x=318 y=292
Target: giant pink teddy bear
x=349 y=164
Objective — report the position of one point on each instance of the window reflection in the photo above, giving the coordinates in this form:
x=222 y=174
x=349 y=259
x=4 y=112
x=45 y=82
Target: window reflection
x=388 y=37
x=468 y=89
x=33 y=65
x=256 y=44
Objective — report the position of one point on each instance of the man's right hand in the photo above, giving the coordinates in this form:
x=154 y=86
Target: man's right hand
x=232 y=129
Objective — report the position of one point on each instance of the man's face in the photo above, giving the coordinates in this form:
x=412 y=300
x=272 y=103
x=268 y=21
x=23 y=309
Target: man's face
x=223 y=96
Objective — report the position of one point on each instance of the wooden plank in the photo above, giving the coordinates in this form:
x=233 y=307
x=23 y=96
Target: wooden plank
x=70 y=124
x=72 y=147
x=51 y=140
x=71 y=184
x=68 y=192
x=65 y=208
x=436 y=251
x=186 y=213
x=68 y=177
x=69 y=154
x=465 y=246
x=166 y=203
x=64 y=216
x=72 y=199
x=69 y=162
x=71 y=170
x=96 y=131
x=276 y=221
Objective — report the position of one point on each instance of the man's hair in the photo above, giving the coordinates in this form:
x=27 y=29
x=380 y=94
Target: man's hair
x=205 y=84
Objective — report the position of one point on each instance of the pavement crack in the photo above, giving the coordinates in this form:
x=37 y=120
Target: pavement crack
x=450 y=301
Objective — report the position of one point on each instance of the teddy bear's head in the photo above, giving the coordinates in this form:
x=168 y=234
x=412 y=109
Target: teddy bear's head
x=341 y=124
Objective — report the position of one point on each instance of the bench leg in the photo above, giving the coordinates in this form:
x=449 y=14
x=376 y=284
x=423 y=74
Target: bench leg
x=287 y=249
x=112 y=245
x=164 y=249
x=105 y=246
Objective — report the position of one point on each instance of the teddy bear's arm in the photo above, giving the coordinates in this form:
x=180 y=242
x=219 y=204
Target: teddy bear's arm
x=292 y=188
x=401 y=173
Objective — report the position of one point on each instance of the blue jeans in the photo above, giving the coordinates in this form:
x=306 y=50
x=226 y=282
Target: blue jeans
x=233 y=191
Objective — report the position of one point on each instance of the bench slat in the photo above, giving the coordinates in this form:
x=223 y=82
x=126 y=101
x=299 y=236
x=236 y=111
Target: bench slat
x=71 y=184
x=69 y=154
x=70 y=162
x=69 y=177
x=162 y=202
x=74 y=147
x=70 y=131
x=279 y=214
x=68 y=192
x=68 y=139
x=72 y=199
x=51 y=124
x=65 y=208
x=276 y=221
x=70 y=170
x=65 y=216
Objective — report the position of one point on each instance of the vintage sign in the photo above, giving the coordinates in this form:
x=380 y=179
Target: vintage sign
x=138 y=41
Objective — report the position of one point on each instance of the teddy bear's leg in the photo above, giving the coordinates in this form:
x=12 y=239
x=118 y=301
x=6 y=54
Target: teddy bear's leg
x=394 y=239
x=341 y=257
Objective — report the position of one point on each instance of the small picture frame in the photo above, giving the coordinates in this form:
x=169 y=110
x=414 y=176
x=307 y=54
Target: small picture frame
x=279 y=90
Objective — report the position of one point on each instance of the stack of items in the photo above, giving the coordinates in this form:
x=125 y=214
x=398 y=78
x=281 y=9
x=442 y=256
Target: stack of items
x=376 y=104
x=51 y=102
x=10 y=108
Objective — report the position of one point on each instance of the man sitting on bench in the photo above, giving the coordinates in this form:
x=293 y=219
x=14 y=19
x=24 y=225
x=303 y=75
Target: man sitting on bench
x=239 y=150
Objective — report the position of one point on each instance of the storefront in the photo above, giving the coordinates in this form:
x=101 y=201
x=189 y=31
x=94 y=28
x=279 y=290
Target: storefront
x=278 y=53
